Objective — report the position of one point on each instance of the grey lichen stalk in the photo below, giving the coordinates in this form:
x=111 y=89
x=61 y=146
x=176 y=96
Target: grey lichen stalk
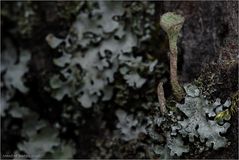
x=172 y=23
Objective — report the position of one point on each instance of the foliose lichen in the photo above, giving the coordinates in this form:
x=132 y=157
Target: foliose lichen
x=101 y=44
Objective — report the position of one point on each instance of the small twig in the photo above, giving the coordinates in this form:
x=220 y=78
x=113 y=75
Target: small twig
x=161 y=98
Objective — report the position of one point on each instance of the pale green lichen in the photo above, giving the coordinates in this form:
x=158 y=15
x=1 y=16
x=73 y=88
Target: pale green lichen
x=106 y=45
x=41 y=140
x=13 y=71
x=189 y=126
x=196 y=124
x=176 y=146
x=129 y=127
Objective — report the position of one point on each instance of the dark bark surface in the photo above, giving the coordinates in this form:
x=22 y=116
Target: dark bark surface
x=209 y=35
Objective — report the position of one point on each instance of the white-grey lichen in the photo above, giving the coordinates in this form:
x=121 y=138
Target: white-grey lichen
x=129 y=127
x=40 y=139
x=197 y=124
x=53 y=41
x=14 y=66
x=176 y=146
x=106 y=44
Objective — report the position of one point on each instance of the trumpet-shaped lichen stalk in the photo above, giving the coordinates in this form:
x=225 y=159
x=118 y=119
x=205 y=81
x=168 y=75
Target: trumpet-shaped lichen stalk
x=172 y=24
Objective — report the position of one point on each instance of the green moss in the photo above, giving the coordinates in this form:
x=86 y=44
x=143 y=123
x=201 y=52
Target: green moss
x=228 y=113
x=69 y=10
x=218 y=80
x=22 y=15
